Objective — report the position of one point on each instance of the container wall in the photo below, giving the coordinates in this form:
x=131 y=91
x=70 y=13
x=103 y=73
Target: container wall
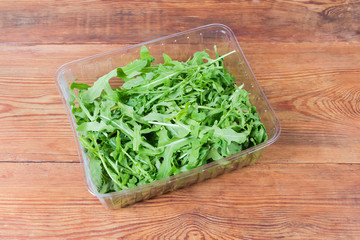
x=179 y=47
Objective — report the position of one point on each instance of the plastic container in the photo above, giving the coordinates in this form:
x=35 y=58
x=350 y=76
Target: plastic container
x=178 y=46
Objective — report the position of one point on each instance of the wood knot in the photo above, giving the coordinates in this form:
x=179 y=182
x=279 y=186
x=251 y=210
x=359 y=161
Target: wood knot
x=194 y=235
x=342 y=12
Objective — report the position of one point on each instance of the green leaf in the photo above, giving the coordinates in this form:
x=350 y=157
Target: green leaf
x=198 y=58
x=131 y=70
x=178 y=130
x=99 y=86
x=183 y=112
x=81 y=86
x=96 y=172
x=110 y=172
x=167 y=59
x=121 y=125
x=105 y=108
x=166 y=165
x=165 y=119
x=234 y=148
x=214 y=154
x=198 y=116
x=259 y=134
x=163 y=137
x=94 y=126
x=137 y=137
x=133 y=82
x=154 y=116
x=194 y=153
x=87 y=145
x=145 y=55
x=230 y=135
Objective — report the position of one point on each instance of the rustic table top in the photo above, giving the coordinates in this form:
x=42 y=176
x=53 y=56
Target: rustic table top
x=306 y=56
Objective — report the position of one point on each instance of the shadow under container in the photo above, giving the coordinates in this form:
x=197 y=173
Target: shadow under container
x=181 y=47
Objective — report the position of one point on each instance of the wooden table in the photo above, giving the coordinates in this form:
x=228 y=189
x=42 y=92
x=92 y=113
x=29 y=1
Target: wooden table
x=306 y=56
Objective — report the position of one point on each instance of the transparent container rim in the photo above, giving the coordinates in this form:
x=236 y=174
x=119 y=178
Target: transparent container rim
x=191 y=172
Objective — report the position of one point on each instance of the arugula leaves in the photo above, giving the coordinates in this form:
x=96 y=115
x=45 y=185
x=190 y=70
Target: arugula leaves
x=165 y=119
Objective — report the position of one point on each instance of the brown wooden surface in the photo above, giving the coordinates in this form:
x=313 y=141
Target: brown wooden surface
x=306 y=56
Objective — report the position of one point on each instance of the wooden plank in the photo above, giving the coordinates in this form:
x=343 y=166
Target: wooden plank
x=319 y=105
x=292 y=201
x=34 y=125
x=312 y=87
x=31 y=22
x=306 y=56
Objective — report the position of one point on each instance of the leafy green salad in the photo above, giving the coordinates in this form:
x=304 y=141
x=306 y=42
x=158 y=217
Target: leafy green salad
x=165 y=119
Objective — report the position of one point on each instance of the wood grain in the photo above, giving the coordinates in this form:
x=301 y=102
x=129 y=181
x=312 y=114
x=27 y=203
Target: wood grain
x=305 y=55
x=33 y=22
x=318 y=103
x=56 y=205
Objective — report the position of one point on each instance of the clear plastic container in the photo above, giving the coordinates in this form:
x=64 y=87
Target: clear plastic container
x=179 y=46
